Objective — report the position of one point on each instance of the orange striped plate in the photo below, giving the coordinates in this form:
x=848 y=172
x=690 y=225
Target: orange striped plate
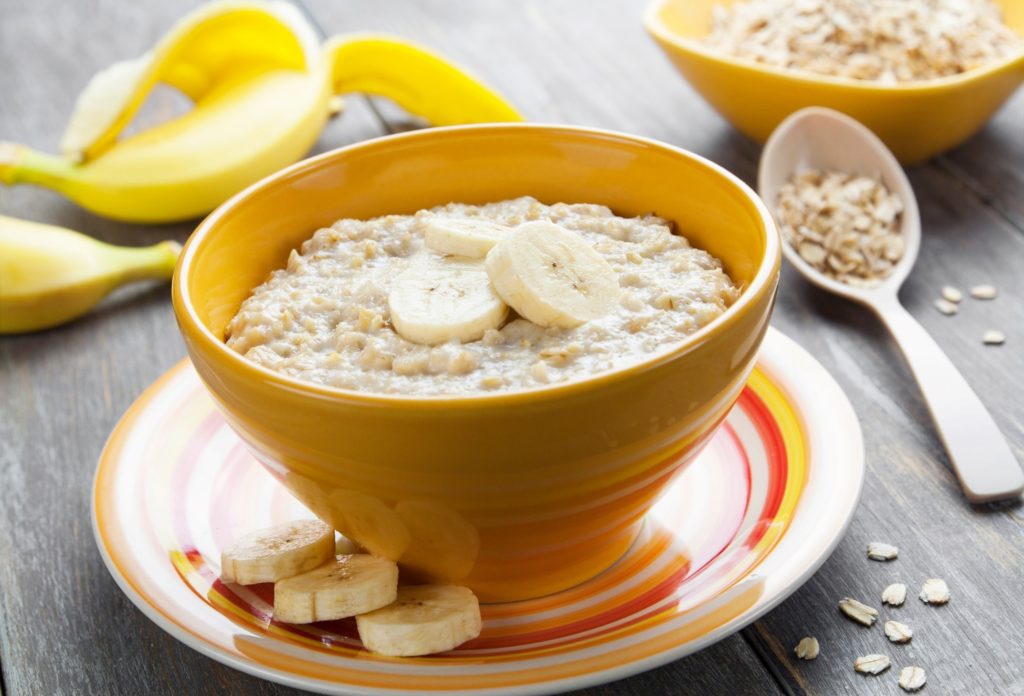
x=745 y=525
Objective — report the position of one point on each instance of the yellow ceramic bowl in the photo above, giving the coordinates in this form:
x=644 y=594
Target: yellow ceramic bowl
x=916 y=120
x=517 y=494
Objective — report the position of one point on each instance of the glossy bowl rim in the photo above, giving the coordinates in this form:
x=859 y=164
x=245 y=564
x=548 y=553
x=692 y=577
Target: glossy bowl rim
x=657 y=29
x=193 y=328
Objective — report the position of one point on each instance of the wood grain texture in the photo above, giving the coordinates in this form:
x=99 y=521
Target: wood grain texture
x=66 y=628
x=992 y=162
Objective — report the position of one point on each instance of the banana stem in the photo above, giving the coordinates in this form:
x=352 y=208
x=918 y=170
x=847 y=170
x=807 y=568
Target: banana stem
x=20 y=164
x=144 y=263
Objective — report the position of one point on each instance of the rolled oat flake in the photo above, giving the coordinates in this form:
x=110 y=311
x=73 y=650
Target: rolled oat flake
x=877 y=551
x=872 y=664
x=807 y=648
x=895 y=594
x=993 y=338
x=951 y=294
x=934 y=591
x=898 y=632
x=984 y=292
x=858 y=611
x=912 y=678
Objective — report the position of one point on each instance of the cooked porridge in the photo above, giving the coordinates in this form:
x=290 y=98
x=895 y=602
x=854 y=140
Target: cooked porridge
x=881 y=40
x=463 y=299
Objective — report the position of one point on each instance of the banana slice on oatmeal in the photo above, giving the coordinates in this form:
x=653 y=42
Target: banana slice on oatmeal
x=552 y=276
x=440 y=298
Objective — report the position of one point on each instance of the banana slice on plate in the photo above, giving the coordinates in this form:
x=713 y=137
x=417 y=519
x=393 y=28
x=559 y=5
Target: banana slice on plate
x=463 y=237
x=552 y=276
x=424 y=619
x=439 y=298
x=278 y=552
x=344 y=587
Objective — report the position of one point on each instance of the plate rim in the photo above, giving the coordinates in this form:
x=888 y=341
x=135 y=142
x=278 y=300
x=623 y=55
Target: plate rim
x=844 y=416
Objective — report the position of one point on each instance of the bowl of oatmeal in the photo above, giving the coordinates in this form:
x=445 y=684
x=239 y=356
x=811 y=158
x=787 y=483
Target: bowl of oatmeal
x=924 y=75
x=482 y=351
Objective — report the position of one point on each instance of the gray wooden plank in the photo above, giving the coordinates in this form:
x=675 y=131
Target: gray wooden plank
x=65 y=627
x=589 y=63
x=991 y=163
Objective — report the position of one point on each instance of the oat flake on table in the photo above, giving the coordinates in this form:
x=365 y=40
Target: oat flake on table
x=879 y=551
x=993 y=338
x=887 y=41
x=912 y=678
x=807 y=648
x=895 y=594
x=872 y=664
x=898 y=632
x=934 y=591
x=951 y=294
x=984 y=292
x=858 y=611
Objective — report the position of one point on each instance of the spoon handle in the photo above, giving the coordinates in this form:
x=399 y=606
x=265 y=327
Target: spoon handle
x=979 y=453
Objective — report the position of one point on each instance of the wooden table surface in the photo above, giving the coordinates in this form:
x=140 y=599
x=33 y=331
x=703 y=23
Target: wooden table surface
x=65 y=628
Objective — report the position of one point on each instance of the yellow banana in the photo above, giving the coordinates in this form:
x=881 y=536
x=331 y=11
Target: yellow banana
x=50 y=275
x=263 y=90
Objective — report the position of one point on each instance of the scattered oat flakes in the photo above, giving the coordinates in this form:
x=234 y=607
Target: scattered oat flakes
x=912 y=678
x=807 y=648
x=951 y=294
x=872 y=664
x=877 y=551
x=984 y=292
x=993 y=338
x=934 y=591
x=946 y=307
x=859 y=612
x=881 y=40
x=846 y=226
x=895 y=594
x=898 y=632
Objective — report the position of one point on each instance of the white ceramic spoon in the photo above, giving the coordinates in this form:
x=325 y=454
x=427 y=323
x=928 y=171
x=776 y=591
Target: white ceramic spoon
x=823 y=139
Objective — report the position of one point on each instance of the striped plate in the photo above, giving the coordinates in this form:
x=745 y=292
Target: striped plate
x=745 y=525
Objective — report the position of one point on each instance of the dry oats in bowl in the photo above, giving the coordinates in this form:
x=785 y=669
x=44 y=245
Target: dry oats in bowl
x=407 y=304
x=924 y=75
x=887 y=41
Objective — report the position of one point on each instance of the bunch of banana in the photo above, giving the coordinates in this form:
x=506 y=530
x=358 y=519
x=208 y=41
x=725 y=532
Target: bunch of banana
x=312 y=584
x=262 y=86
x=50 y=275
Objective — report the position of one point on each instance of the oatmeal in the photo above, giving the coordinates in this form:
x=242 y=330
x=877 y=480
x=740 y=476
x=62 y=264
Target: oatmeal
x=880 y=40
x=373 y=305
x=845 y=225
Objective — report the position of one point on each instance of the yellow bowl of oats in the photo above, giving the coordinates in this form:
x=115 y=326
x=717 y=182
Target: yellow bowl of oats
x=483 y=351
x=924 y=76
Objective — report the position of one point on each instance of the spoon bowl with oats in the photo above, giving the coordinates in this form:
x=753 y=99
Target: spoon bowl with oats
x=850 y=224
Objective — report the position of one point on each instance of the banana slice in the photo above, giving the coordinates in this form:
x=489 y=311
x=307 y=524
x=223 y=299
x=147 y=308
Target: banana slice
x=278 y=552
x=468 y=237
x=440 y=298
x=348 y=585
x=424 y=619
x=552 y=276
